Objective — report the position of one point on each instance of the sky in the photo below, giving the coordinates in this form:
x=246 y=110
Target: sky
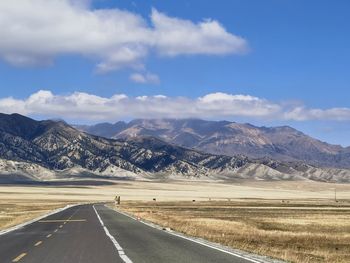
x=273 y=62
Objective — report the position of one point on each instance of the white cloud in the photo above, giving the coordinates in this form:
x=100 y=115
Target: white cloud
x=237 y=105
x=302 y=114
x=87 y=107
x=176 y=36
x=34 y=32
x=145 y=78
x=222 y=97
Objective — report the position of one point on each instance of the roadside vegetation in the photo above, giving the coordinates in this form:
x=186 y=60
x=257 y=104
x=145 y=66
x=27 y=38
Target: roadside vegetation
x=307 y=226
x=295 y=231
x=14 y=212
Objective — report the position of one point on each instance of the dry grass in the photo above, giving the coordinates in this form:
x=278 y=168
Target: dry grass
x=315 y=231
x=178 y=190
x=296 y=231
x=13 y=212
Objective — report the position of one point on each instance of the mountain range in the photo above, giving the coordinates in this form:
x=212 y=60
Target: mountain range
x=41 y=150
x=230 y=138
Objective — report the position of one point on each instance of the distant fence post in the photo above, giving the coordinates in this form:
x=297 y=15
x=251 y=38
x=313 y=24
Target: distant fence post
x=117 y=200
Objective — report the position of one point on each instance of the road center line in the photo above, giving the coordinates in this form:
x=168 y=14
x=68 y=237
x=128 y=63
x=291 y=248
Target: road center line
x=8 y=230
x=120 y=250
x=19 y=257
x=38 y=243
x=63 y=221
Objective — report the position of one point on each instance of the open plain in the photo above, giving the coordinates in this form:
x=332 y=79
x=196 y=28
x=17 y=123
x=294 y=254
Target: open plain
x=294 y=221
x=292 y=230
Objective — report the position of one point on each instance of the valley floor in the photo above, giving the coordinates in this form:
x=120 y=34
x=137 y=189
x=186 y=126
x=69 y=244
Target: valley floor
x=292 y=230
x=296 y=221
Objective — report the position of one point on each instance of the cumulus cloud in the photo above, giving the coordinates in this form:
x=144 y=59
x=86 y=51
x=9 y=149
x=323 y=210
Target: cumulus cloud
x=303 y=114
x=176 y=36
x=34 y=32
x=145 y=78
x=88 y=107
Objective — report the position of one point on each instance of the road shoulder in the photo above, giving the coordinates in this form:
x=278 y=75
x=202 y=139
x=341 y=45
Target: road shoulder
x=225 y=249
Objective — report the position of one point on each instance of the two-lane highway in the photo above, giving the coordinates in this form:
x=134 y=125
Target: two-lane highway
x=73 y=235
x=97 y=234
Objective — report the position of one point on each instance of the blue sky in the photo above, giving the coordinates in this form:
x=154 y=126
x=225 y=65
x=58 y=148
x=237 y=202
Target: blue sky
x=296 y=54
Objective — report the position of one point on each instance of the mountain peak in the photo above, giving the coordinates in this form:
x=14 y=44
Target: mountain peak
x=283 y=143
x=55 y=148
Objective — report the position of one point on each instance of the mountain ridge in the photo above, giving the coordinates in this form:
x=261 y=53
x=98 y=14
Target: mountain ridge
x=49 y=149
x=58 y=146
x=282 y=143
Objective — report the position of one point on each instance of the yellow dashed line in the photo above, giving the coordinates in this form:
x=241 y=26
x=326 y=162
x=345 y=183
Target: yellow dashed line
x=65 y=221
x=38 y=243
x=19 y=257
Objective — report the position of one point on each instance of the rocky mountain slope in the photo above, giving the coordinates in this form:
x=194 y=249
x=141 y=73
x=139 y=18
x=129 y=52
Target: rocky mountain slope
x=49 y=149
x=229 y=138
x=58 y=146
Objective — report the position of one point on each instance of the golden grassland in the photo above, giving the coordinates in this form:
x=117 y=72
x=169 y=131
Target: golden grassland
x=13 y=212
x=292 y=230
x=307 y=227
x=178 y=190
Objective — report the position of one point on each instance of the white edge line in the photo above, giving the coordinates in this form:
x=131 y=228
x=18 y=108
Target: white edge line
x=120 y=250
x=191 y=239
x=8 y=230
x=216 y=248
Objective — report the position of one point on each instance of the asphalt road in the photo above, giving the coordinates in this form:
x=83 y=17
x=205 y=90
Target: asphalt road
x=96 y=234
